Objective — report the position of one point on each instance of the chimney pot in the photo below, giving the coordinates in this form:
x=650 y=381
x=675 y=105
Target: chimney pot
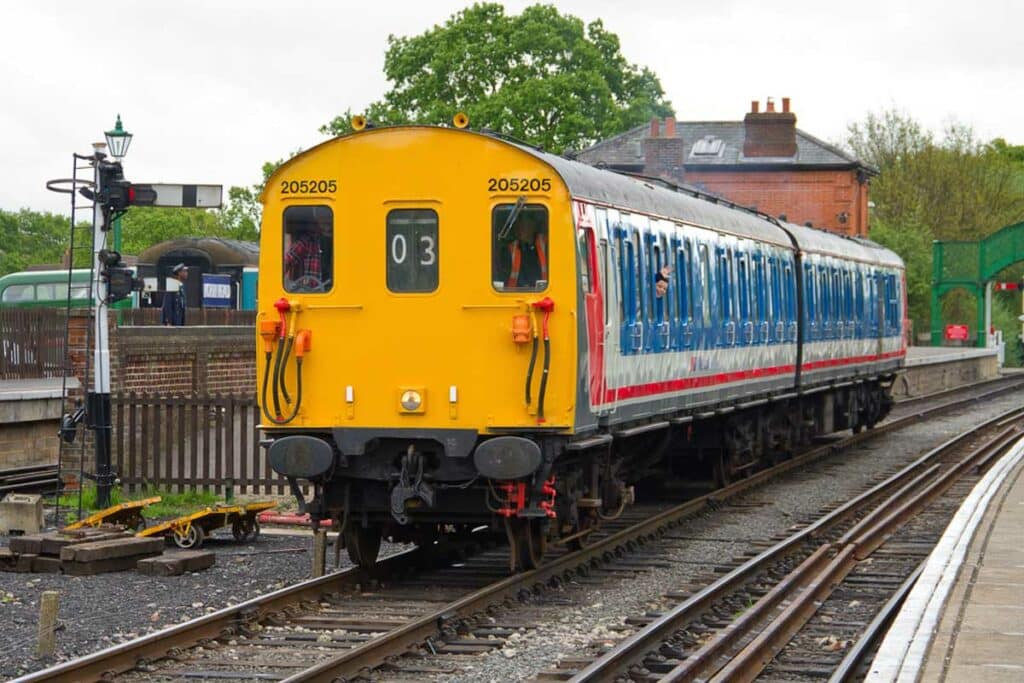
x=654 y=127
x=785 y=105
x=670 y=126
x=770 y=105
x=755 y=106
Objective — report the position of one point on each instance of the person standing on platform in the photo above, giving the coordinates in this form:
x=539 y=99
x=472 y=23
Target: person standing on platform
x=173 y=310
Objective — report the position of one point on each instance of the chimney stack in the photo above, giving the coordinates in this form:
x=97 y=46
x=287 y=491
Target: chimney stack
x=663 y=155
x=771 y=133
x=755 y=106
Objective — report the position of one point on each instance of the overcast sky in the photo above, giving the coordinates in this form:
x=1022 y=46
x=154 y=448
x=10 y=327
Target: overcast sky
x=212 y=89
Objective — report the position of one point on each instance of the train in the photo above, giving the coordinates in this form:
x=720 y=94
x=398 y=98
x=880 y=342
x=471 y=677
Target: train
x=224 y=275
x=486 y=333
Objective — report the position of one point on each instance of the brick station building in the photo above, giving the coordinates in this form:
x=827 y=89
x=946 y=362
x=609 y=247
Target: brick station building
x=764 y=162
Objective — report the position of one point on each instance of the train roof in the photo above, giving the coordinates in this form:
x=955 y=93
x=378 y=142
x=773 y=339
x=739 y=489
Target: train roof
x=658 y=197
x=654 y=197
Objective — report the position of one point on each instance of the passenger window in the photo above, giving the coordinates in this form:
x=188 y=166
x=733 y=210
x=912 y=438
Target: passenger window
x=16 y=293
x=412 y=250
x=584 y=239
x=705 y=270
x=519 y=248
x=308 y=251
x=638 y=287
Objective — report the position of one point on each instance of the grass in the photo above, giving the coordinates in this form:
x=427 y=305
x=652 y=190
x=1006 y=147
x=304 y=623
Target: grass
x=171 y=505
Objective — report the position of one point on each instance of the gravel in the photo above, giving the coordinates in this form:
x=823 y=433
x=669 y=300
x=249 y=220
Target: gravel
x=98 y=611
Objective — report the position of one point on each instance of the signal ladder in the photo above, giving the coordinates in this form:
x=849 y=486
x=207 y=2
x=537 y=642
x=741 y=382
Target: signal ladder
x=75 y=434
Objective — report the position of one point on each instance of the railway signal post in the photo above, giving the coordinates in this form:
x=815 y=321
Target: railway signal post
x=112 y=195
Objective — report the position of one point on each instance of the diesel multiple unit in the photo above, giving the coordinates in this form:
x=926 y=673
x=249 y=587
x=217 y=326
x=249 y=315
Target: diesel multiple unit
x=458 y=330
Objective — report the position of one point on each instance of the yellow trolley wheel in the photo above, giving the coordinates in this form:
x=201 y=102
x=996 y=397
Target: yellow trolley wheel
x=192 y=537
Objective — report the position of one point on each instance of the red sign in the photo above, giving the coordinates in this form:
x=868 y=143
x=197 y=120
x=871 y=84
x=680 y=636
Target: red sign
x=1007 y=286
x=957 y=333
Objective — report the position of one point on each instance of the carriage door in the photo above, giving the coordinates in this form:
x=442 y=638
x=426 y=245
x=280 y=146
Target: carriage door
x=591 y=283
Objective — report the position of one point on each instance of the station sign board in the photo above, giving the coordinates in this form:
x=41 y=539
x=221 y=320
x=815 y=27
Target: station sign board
x=957 y=333
x=216 y=290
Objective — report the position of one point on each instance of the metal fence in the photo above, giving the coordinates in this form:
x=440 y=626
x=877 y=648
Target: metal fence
x=193 y=316
x=190 y=443
x=31 y=343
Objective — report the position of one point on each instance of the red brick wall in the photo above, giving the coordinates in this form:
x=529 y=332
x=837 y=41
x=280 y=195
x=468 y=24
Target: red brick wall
x=816 y=196
x=163 y=360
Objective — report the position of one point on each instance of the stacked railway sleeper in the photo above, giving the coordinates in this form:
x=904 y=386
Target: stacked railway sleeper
x=793 y=611
x=426 y=616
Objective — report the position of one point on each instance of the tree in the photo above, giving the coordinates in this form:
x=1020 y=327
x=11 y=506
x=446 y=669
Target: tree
x=540 y=76
x=243 y=213
x=953 y=188
x=29 y=238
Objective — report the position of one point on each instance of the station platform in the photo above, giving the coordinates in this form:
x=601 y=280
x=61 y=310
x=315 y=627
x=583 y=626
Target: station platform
x=964 y=618
x=929 y=369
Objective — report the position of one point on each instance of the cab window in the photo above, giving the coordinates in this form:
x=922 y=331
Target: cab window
x=308 y=249
x=412 y=252
x=519 y=248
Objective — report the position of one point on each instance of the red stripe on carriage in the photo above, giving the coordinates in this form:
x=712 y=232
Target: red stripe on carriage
x=681 y=384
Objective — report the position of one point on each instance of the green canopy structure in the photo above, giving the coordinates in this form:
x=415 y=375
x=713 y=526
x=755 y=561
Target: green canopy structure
x=971 y=266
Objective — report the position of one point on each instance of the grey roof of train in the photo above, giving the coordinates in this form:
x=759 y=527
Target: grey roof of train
x=654 y=198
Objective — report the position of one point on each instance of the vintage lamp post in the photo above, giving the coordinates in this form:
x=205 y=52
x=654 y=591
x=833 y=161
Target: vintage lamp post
x=118 y=140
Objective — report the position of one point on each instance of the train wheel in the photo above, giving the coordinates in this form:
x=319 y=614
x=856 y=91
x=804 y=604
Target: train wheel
x=237 y=531
x=363 y=544
x=527 y=542
x=587 y=525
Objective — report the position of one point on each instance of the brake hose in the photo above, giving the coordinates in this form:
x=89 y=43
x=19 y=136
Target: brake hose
x=547 y=305
x=533 y=357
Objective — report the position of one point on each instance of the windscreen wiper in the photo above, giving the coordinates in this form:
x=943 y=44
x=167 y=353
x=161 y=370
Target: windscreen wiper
x=512 y=216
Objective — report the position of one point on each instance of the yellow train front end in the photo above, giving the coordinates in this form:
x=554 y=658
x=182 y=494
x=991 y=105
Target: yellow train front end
x=417 y=320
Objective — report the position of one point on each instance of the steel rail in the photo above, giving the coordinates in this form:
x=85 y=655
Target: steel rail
x=868 y=641
x=618 y=660
x=126 y=656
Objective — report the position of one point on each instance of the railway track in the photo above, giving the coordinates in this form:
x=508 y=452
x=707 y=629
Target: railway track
x=789 y=602
x=347 y=623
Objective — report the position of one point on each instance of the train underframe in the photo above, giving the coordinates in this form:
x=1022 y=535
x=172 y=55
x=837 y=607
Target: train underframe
x=411 y=490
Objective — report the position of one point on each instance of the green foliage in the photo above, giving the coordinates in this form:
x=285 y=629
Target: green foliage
x=176 y=504
x=956 y=188
x=243 y=213
x=914 y=245
x=540 y=76
x=953 y=188
x=171 y=505
x=29 y=238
